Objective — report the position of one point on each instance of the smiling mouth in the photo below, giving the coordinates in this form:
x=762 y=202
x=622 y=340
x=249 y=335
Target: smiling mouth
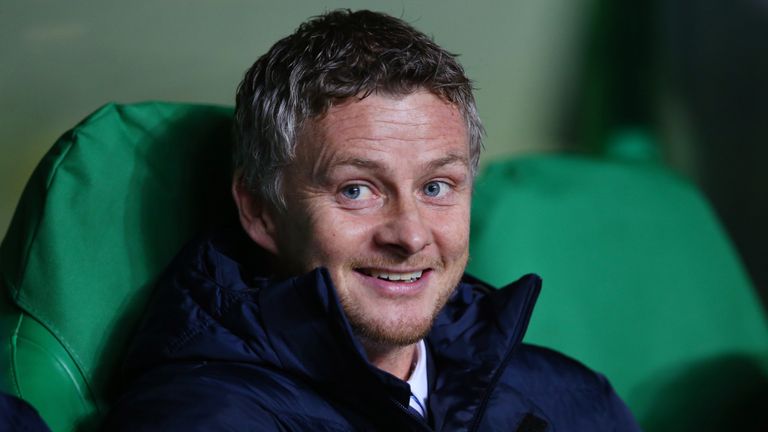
x=407 y=277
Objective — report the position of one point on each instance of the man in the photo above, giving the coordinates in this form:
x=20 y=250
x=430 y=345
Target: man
x=343 y=305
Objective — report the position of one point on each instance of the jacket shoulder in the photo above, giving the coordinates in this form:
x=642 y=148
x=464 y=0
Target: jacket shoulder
x=569 y=393
x=553 y=370
x=220 y=396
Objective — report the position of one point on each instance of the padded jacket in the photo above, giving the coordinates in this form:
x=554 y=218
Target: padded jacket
x=224 y=348
x=18 y=415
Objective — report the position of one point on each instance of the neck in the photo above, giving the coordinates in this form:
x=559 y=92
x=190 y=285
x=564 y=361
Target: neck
x=397 y=360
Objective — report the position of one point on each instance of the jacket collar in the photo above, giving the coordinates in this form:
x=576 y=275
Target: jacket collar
x=472 y=341
x=307 y=328
x=470 y=344
x=215 y=303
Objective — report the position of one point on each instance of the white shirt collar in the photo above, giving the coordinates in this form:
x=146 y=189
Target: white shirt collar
x=418 y=380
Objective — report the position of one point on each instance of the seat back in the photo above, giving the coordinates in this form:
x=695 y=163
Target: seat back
x=103 y=213
x=640 y=283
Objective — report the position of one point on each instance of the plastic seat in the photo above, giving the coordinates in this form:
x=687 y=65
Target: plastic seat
x=103 y=213
x=640 y=283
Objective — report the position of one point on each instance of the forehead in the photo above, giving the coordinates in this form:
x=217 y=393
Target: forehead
x=420 y=122
x=418 y=108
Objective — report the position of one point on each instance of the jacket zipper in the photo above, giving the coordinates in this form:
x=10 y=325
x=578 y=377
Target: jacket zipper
x=417 y=418
x=500 y=371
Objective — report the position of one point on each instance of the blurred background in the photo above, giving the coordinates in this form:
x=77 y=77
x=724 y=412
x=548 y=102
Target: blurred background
x=681 y=82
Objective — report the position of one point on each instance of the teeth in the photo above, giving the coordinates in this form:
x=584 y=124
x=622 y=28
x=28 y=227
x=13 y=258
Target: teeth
x=396 y=276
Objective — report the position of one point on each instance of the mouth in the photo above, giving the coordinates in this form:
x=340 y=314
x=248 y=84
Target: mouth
x=391 y=276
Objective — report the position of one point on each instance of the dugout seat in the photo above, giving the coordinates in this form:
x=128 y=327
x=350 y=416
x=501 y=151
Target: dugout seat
x=640 y=281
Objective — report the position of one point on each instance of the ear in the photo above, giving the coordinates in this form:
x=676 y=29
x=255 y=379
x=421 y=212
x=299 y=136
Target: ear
x=255 y=217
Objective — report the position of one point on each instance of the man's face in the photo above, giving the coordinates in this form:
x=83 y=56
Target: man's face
x=380 y=195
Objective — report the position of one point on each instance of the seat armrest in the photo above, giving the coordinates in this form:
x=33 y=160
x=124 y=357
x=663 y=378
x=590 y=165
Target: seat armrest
x=41 y=371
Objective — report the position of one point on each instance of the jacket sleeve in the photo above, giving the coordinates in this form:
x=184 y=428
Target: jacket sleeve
x=18 y=415
x=189 y=398
x=616 y=412
x=569 y=395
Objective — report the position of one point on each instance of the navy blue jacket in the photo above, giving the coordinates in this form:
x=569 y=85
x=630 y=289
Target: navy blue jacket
x=224 y=348
x=18 y=415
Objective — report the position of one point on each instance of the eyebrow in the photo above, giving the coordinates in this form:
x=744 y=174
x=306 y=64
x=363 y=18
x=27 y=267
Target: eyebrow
x=371 y=164
x=322 y=174
x=357 y=162
x=450 y=159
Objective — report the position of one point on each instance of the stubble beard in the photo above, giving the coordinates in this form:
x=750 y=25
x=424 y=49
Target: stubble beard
x=405 y=331
x=401 y=333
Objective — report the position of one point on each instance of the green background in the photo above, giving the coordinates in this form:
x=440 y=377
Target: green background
x=683 y=80
x=62 y=60
x=685 y=75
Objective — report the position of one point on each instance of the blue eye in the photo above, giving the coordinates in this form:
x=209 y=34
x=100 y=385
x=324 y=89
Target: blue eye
x=435 y=189
x=356 y=192
x=351 y=192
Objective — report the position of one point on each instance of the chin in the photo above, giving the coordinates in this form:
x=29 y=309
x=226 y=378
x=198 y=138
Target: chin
x=403 y=333
x=384 y=317
x=401 y=327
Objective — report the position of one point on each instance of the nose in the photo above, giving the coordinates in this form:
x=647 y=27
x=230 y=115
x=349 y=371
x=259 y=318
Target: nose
x=405 y=231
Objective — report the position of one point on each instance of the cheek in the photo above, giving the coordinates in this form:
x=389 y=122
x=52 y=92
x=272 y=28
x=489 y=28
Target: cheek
x=298 y=238
x=337 y=236
x=451 y=232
